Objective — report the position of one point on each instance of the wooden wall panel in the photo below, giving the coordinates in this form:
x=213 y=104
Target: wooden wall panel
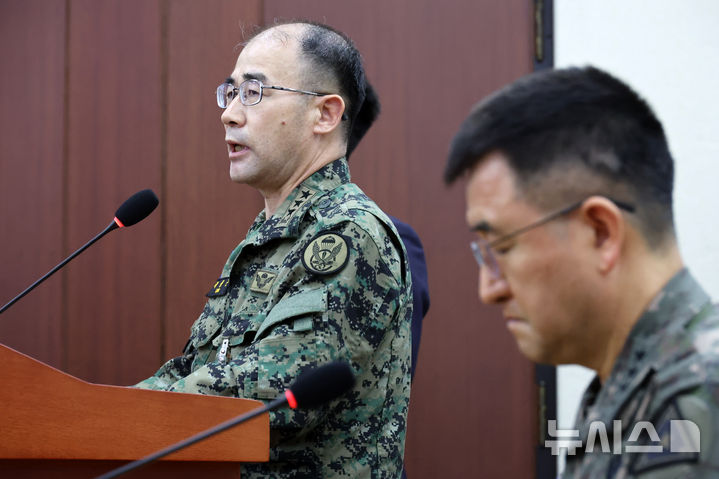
x=468 y=358
x=207 y=214
x=114 y=142
x=473 y=400
x=32 y=86
x=137 y=111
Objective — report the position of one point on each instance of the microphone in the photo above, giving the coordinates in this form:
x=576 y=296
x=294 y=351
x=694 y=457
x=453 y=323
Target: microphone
x=135 y=209
x=312 y=388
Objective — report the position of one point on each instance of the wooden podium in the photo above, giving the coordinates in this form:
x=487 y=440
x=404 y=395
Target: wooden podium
x=53 y=425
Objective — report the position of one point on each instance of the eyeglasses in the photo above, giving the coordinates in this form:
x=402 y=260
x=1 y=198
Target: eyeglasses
x=250 y=92
x=484 y=251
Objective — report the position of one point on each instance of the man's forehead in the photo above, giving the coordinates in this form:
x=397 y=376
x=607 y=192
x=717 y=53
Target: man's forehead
x=281 y=38
x=281 y=33
x=270 y=56
x=490 y=193
x=492 y=180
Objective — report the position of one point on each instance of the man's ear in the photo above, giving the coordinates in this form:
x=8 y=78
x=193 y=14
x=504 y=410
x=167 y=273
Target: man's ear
x=330 y=109
x=608 y=227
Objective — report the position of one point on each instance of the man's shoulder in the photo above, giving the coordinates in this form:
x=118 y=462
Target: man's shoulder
x=678 y=408
x=693 y=345
x=690 y=357
x=686 y=383
x=349 y=204
x=348 y=210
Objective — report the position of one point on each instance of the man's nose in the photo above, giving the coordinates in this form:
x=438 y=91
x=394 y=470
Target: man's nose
x=493 y=287
x=234 y=114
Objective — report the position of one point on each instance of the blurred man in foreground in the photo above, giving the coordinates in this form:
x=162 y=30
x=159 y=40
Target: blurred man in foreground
x=569 y=191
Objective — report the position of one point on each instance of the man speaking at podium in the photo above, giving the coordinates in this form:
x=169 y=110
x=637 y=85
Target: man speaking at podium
x=321 y=275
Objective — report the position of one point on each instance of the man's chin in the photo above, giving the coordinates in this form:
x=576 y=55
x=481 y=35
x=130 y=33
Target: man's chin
x=530 y=348
x=241 y=175
x=239 y=179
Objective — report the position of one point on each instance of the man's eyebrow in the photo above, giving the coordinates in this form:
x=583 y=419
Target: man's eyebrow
x=482 y=227
x=254 y=76
x=230 y=80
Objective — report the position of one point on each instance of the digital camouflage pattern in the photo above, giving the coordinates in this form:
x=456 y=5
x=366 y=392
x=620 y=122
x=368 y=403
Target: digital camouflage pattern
x=668 y=370
x=270 y=315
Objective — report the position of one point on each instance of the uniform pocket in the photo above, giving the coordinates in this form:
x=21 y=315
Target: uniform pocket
x=286 y=341
x=304 y=303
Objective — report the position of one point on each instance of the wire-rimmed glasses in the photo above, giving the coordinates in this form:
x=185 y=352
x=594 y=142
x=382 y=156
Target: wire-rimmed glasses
x=250 y=92
x=484 y=251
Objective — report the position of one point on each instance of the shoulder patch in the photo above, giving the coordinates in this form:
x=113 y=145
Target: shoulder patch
x=327 y=253
x=262 y=281
x=219 y=288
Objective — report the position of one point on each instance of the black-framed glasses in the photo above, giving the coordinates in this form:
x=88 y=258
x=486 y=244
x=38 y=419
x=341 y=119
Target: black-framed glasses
x=250 y=92
x=484 y=251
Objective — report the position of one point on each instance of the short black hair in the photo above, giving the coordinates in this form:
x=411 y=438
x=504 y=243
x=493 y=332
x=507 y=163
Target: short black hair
x=331 y=51
x=333 y=59
x=368 y=112
x=568 y=120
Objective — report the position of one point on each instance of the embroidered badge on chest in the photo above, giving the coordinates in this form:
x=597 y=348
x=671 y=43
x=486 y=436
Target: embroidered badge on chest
x=219 y=288
x=327 y=253
x=262 y=281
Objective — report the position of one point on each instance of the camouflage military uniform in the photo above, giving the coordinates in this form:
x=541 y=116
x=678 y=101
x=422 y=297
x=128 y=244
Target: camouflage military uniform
x=667 y=374
x=324 y=278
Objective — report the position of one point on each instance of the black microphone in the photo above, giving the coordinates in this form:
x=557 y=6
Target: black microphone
x=135 y=209
x=314 y=387
x=311 y=389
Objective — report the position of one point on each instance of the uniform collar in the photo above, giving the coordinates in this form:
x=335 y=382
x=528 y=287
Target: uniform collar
x=285 y=222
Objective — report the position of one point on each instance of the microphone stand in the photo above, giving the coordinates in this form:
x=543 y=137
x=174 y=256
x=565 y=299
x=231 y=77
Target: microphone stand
x=109 y=228
x=275 y=403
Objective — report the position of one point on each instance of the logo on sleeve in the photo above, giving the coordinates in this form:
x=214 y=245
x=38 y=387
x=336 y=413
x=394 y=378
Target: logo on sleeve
x=326 y=254
x=219 y=288
x=262 y=281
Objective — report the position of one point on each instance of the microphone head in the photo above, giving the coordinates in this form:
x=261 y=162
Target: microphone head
x=314 y=387
x=136 y=208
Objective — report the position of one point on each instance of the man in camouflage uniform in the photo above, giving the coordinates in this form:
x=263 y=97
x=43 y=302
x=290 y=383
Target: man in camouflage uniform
x=569 y=191
x=321 y=275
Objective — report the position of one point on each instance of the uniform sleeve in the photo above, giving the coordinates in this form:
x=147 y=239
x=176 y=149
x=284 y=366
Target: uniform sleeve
x=169 y=373
x=181 y=366
x=328 y=310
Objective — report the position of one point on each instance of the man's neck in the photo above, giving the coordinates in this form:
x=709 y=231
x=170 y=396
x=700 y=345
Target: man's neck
x=635 y=294
x=275 y=197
